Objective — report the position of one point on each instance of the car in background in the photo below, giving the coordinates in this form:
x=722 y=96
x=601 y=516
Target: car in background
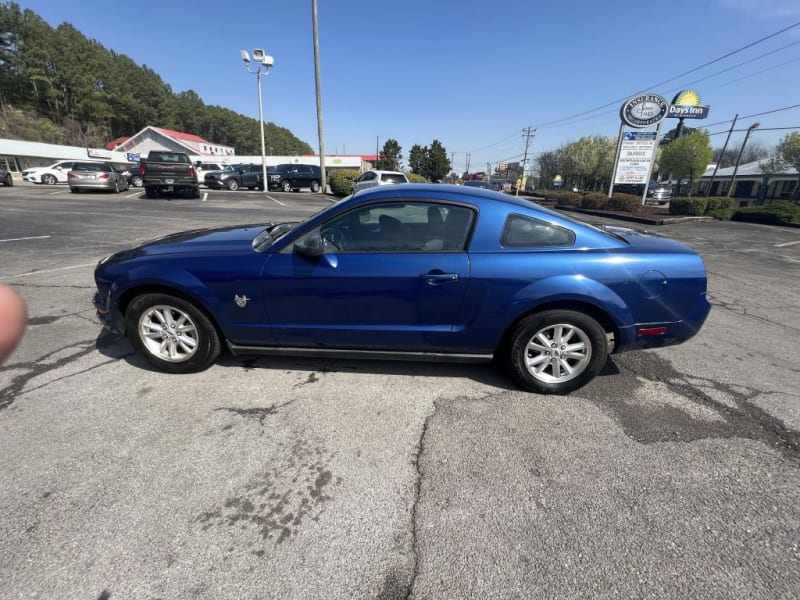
x=5 y=175
x=96 y=176
x=376 y=177
x=55 y=173
x=206 y=167
x=479 y=183
x=234 y=177
x=133 y=174
x=290 y=178
x=431 y=272
x=657 y=193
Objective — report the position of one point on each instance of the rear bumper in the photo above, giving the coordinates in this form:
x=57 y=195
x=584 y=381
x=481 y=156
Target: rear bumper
x=650 y=335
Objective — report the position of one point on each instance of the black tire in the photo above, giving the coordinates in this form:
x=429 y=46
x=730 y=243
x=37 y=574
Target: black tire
x=556 y=351
x=136 y=181
x=196 y=192
x=151 y=192
x=193 y=345
x=49 y=179
x=232 y=185
x=9 y=180
x=74 y=190
x=286 y=185
x=315 y=187
x=116 y=189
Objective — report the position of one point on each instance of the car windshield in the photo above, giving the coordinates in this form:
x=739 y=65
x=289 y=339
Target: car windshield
x=273 y=233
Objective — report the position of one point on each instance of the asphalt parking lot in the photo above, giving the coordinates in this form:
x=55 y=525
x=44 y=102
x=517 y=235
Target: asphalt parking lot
x=675 y=474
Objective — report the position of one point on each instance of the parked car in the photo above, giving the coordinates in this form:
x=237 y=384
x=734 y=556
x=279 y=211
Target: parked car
x=168 y=172
x=206 y=167
x=411 y=271
x=486 y=185
x=55 y=173
x=290 y=178
x=96 y=176
x=5 y=175
x=133 y=174
x=236 y=176
x=374 y=178
x=657 y=193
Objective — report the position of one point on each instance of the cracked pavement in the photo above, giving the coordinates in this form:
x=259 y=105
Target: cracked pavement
x=673 y=474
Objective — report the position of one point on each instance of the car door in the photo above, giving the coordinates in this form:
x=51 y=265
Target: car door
x=384 y=281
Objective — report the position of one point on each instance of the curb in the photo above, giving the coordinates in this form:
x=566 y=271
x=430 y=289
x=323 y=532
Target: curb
x=634 y=219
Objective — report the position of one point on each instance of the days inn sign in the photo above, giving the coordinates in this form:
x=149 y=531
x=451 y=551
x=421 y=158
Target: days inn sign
x=686 y=105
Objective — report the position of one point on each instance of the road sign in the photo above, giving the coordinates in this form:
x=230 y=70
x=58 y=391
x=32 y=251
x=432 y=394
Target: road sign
x=635 y=157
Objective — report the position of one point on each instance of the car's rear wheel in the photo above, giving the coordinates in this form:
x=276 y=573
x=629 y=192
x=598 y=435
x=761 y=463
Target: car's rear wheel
x=233 y=185
x=48 y=179
x=151 y=192
x=9 y=180
x=136 y=181
x=556 y=351
x=286 y=185
x=171 y=333
x=315 y=186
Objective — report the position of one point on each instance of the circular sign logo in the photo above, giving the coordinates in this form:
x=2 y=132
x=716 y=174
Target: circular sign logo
x=644 y=110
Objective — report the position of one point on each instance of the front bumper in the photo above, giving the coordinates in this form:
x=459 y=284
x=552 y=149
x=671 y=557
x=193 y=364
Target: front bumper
x=108 y=316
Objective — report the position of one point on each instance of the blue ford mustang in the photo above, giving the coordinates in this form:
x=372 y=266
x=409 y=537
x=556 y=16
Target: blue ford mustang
x=416 y=272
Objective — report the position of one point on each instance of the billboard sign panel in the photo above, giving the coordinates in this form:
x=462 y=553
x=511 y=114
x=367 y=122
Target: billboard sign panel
x=635 y=157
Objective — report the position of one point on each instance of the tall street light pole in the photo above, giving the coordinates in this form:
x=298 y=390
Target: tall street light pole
x=738 y=158
x=318 y=83
x=262 y=64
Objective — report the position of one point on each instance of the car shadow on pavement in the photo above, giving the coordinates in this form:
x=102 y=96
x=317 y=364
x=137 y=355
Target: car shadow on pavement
x=492 y=374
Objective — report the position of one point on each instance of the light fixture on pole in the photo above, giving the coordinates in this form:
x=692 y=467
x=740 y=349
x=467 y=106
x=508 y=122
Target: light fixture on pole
x=738 y=158
x=262 y=64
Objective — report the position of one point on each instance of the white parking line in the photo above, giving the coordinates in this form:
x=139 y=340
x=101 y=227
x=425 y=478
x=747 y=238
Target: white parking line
x=49 y=270
x=205 y=196
x=33 y=237
x=787 y=244
x=134 y=195
x=275 y=200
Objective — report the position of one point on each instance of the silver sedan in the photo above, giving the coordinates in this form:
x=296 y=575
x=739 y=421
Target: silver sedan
x=96 y=176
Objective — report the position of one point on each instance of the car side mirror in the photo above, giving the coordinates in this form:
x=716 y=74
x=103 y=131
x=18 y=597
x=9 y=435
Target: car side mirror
x=311 y=245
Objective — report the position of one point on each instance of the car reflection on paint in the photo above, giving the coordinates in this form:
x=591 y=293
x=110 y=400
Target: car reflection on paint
x=412 y=272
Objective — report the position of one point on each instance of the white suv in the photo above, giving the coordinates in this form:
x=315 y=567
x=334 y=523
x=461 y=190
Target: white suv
x=374 y=178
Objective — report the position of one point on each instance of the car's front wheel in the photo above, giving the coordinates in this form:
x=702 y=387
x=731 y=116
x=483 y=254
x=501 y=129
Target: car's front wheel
x=8 y=181
x=233 y=185
x=48 y=179
x=286 y=185
x=556 y=351
x=136 y=181
x=315 y=186
x=171 y=333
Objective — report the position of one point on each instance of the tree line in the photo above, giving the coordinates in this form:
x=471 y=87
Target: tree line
x=58 y=86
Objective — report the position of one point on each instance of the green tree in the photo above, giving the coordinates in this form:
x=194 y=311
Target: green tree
x=688 y=156
x=390 y=156
x=416 y=159
x=438 y=165
x=587 y=163
x=789 y=151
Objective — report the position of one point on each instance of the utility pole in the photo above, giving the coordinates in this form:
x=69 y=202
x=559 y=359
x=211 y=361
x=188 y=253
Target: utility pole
x=721 y=155
x=467 y=163
x=318 y=82
x=527 y=133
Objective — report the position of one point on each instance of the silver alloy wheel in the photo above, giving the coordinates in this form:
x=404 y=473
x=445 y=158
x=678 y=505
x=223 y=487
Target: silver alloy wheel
x=48 y=179
x=558 y=353
x=168 y=333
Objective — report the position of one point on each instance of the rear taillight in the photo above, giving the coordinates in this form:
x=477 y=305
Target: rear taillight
x=142 y=170
x=192 y=172
x=70 y=175
x=105 y=176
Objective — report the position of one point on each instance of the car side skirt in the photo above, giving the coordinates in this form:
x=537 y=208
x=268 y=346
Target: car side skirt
x=361 y=354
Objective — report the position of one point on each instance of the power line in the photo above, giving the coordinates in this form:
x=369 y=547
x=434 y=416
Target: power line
x=766 y=112
x=706 y=64
x=759 y=129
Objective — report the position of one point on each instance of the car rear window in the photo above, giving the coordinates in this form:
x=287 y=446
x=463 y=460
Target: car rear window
x=90 y=167
x=526 y=232
x=393 y=178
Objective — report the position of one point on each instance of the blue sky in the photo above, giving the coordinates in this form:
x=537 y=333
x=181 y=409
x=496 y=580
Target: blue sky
x=470 y=74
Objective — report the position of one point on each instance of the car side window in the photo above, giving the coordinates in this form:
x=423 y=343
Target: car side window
x=400 y=227
x=526 y=232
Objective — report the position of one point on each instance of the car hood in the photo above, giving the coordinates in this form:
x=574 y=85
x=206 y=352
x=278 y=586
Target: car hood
x=223 y=240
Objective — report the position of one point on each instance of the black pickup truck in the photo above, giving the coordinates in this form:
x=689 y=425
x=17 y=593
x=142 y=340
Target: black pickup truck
x=5 y=175
x=166 y=172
